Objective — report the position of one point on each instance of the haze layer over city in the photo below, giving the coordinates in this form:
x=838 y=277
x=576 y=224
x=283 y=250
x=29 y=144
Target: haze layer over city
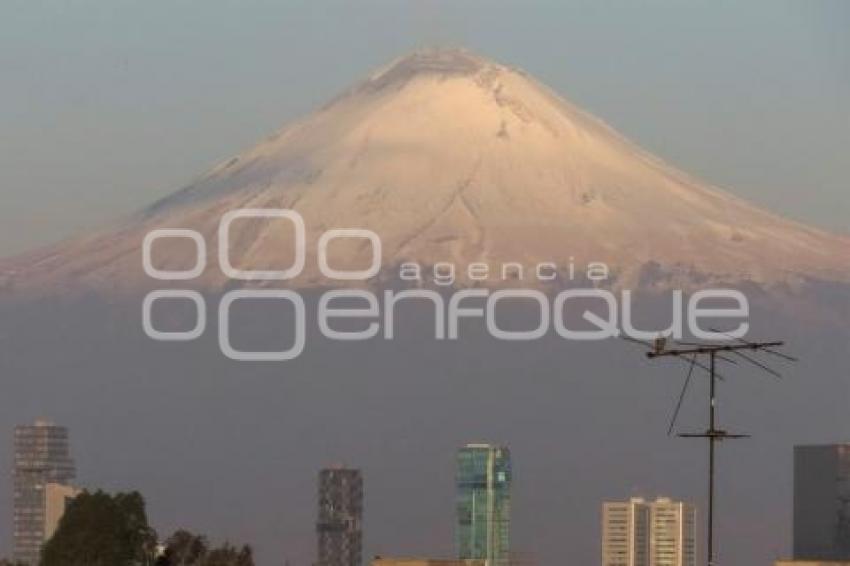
x=648 y=152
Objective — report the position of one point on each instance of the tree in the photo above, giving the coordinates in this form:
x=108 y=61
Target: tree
x=99 y=529
x=183 y=549
x=228 y=555
x=186 y=549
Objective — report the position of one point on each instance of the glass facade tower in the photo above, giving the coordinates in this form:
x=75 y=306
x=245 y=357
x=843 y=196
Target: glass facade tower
x=822 y=502
x=484 y=503
x=42 y=457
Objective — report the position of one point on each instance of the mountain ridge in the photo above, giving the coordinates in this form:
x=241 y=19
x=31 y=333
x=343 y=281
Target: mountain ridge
x=452 y=158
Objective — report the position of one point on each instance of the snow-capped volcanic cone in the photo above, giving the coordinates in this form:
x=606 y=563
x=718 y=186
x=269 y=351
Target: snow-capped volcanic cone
x=450 y=157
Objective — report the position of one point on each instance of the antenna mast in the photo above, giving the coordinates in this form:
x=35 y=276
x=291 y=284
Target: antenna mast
x=713 y=434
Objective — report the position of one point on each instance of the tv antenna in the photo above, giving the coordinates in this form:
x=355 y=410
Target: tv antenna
x=690 y=352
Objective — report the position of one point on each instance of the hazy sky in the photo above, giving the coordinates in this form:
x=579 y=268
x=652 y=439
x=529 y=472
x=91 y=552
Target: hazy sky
x=107 y=105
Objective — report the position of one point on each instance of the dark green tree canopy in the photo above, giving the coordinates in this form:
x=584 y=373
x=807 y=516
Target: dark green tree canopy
x=99 y=529
x=227 y=555
x=186 y=549
x=183 y=549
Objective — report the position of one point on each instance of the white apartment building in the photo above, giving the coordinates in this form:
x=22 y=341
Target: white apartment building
x=648 y=533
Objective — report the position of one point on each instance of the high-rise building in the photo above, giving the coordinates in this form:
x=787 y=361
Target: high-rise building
x=822 y=502
x=672 y=533
x=625 y=533
x=484 y=503
x=648 y=533
x=339 y=528
x=42 y=457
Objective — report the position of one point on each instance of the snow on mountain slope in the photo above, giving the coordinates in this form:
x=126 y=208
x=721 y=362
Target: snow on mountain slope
x=450 y=157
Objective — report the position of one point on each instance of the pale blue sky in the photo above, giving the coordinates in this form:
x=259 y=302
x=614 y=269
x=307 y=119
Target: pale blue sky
x=107 y=105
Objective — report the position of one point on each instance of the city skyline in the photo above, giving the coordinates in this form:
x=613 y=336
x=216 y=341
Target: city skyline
x=634 y=532
x=240 y=243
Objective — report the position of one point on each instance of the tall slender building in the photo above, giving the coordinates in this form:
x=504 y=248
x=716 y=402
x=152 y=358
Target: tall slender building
x=484 y=503
x=822 y=502
x=42 y=458
x=339 y=528
x=672 y=533
x=625 y=533
x=642 y=533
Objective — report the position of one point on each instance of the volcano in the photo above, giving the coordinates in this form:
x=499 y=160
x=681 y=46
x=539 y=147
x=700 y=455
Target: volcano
x=450 y=157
